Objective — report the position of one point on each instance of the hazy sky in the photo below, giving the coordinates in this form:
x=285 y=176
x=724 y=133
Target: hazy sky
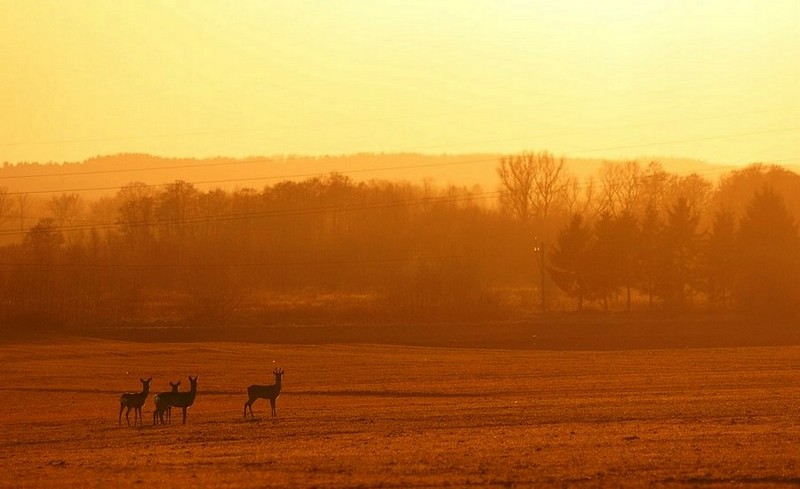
x=716 y=80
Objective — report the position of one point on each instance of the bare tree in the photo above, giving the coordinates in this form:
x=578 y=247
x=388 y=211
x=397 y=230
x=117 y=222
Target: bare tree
x=66 y=208
x=532 y=184
x=24 y=203
x=6 y=205
x=516 y=179
x=621 y=187
x=655 y=186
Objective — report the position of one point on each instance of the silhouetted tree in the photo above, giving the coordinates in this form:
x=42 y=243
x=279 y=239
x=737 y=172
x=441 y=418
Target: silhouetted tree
x=531 y=183
x=767 y=281
x=655 y=187
x=65 y=208
x=649 y=257
x=738 y=188
x=570 y=261
x=721 y=258
x=6 y=204
x=679 y=278
x=24 y=203
x=621 y=188
x=43 y=241
x=42 y=280
x=614 y=256
x=136 y=210
x=603 y=269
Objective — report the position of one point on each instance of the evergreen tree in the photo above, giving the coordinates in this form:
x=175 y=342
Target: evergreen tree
x=649 y=259
x=679 y=278
x=627 y=237
x=720 y=258
x=569 y=261
x=603 y=276
x=767 y=261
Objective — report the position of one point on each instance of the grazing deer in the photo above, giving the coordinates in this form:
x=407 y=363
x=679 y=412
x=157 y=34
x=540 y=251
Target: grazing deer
x=135 y=401
x=270 y=392
x=167 y=400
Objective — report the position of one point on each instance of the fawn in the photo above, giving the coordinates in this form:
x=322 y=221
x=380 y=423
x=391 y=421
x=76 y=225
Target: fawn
x=167 y=400
x=168 y=410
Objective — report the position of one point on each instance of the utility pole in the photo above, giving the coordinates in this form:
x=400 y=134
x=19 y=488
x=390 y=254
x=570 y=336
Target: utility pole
x=538 y=247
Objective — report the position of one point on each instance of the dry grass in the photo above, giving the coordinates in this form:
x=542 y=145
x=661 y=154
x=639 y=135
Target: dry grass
x=400 y=416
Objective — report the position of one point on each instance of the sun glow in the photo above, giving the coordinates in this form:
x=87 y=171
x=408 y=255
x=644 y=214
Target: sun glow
x=611 y=79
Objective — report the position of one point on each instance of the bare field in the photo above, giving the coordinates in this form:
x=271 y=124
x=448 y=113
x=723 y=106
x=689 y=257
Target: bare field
x=364 y=415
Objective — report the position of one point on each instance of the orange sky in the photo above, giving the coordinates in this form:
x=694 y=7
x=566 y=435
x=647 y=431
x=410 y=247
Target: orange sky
x=715 y=80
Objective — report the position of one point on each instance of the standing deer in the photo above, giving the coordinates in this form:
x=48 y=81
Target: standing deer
x=168 y=410
x=135 y=401
x=270 y=392
x=167 y=400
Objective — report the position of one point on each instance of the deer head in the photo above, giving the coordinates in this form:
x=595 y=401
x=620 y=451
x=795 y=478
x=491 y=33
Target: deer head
x=175 y=386
x=278 y=372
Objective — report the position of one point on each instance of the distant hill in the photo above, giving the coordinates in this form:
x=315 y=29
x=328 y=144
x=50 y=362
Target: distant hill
x=103 y=175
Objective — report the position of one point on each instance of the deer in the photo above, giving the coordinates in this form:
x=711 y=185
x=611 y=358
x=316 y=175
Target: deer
x=168 y=400
x=168 y=410
x=135 y=401
x=270 y=392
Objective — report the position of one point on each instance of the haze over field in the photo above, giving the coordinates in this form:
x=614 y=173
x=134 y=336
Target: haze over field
x=714 y=81
x=272 y=162
x=517 y=242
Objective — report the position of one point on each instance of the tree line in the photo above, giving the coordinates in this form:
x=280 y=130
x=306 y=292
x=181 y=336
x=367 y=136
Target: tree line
x=329 y=248
x=639 y=235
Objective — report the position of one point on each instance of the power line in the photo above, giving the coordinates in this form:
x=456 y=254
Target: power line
x=402 y=167
x=600 y=128
x=205 y=219
x=264 y=178
x=248 y=265
x=474 y=196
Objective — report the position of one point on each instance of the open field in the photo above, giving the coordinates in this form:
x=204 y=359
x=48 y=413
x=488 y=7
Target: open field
x=365 y=415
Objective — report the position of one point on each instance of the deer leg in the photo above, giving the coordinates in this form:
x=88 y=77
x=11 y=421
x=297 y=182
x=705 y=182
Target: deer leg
x=157 y=415
x=127 y=411
x=249 y=404
x=272 y=404
x=121 y=407
x=184 y=415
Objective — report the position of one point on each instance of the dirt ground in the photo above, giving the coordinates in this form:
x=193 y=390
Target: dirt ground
x=394 y=416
